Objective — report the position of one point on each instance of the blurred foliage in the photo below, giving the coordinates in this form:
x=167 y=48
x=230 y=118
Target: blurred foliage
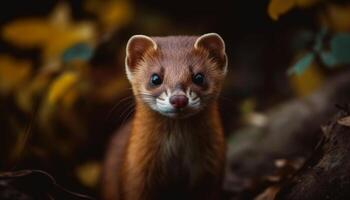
x=13 y=73
x=111 y=14
x=336 y=17
x=331 y=54
x=89 y=173
x=308 y=81
x=52 y=93
x=62 y=72
x=277 y=8
x=330 y=46
x=52 y=35
x=34 y=184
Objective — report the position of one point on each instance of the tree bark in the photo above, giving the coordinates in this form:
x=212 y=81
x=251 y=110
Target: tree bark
x=291 y=132
x=326 y=175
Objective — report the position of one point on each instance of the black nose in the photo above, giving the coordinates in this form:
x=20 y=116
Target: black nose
x=179 y=101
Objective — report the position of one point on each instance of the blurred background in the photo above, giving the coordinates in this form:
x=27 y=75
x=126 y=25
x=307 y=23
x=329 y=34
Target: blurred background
x=63 y=90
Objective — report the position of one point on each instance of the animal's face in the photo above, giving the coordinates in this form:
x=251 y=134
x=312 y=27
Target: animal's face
x=176 y=76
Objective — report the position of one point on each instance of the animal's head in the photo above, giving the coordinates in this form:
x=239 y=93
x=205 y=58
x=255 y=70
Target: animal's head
x=176 y=76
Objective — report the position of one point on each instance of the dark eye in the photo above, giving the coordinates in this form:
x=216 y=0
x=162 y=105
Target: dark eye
x=156 y=80
x=198 y=79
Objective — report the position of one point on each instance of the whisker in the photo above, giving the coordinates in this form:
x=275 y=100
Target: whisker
x=24 y=141
x=146 y=97
x=145 y=93
x=194 y=99
x=127 y=116
x=116 y=105
x=125 y=110
x=194 y=102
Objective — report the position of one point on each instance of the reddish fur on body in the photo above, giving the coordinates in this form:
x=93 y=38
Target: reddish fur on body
x=159 y=157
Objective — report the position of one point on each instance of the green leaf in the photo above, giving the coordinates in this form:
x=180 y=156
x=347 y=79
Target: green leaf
x=328 y=59
x=340 y=48
x=302 y=64
x=79 y=51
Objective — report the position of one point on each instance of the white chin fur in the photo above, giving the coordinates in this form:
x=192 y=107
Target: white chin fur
x=163 y=106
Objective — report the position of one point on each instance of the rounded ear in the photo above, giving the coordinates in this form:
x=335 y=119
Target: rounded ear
x=135 y=50
x=215 y=45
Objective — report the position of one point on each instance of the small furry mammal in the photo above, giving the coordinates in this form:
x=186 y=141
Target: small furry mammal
x=174 y=147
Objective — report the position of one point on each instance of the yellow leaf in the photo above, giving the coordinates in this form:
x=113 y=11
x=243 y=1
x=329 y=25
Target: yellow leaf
x=27 y=33
x=53 y=34
x=65 y=33
x=311 y=79
x=89 y=173
x=65 y=38
x=27 y=93
x=55 y=95
x=61 y=86
x=116 y=14
x=70 y=98
x=306 y=3
x=112 y=14
x=337 y=17
x=278 y=7
x=13 y=73
x=60 y=16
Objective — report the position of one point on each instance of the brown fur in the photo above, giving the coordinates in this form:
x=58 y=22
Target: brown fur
x=156 y=157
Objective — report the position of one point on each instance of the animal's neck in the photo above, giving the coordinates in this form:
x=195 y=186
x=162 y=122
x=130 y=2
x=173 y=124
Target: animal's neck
x=179 y=139
x=169 y=153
